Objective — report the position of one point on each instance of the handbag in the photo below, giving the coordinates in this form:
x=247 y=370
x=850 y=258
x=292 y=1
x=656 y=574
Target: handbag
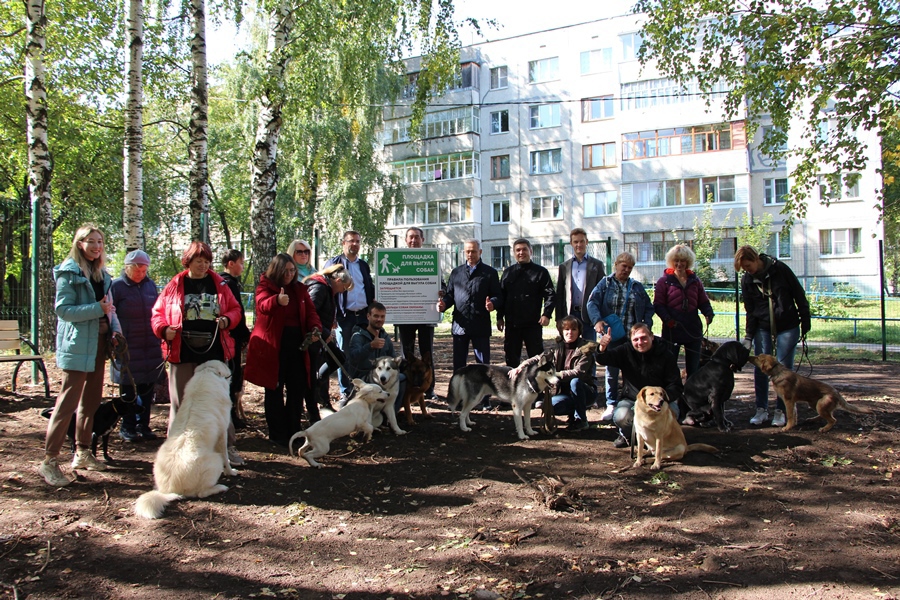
x=198 y=341
x=615 y=323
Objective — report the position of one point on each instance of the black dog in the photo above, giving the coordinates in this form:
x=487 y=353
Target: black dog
x=105 y=420
x=707 y=390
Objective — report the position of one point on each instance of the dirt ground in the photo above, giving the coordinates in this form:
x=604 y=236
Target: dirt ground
x=443 y=514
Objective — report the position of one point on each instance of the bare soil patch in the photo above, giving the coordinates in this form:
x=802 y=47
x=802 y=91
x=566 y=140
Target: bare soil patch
x=442 y=514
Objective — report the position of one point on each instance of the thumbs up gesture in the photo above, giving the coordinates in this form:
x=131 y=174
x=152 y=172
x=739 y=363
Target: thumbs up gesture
x=488 y=304
x=283 y=298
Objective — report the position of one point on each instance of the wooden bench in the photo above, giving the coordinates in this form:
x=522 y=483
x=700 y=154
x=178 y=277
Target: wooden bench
x=12 y=340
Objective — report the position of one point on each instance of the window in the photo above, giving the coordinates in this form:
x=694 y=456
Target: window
x=466 y=77
x=546 y=69
x=500 y=257
x=647 y=247
x=451 y=122
x=546 y=161
x=836 y=187
x=460 y=165
x=594 y=109
x=683 y=192
x=546 y=255
x=499 y=211
x=775 y=190
x=596 y=61
x=658 y=92
x=776 y=135
x=500 y=167
x=499 y=78
x=500 y=121
x=838 y=242
x=677 y=140
x=546 y=207
x=411 y=87
x=598 y=156
x=780 y=244
x=544 y=115
x=631 y=43
x=597 y=204
x=434 y=212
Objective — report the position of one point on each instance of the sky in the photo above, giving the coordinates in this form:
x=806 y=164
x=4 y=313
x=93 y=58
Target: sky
x=514 y=17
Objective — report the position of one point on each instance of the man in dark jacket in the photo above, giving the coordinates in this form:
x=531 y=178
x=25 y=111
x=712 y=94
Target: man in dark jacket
x=474 y=289
x=647 y=360
x=765 y=279
x=233 y=263
x=352 y=304
x=525 y=287
x=577 y=278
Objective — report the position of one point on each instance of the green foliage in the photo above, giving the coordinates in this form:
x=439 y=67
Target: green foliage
x=836 y=461
x=890 y=172
x=812 y=63
x=755 y=232
x=707 y=240
x=822 y=303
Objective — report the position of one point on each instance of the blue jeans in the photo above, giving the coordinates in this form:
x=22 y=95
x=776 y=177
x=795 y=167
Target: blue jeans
x=573 y=402
x=342 y=335
x=786 y=343
x=612 y=375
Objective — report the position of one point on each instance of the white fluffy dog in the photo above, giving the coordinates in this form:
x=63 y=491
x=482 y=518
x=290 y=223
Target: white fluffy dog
x=190 y=461
x=355 y=416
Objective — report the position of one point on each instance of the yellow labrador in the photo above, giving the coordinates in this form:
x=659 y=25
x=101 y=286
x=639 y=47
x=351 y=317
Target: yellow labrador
x=656 y=428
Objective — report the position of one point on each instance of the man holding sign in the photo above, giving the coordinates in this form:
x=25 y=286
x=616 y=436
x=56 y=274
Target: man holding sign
x=414 y=239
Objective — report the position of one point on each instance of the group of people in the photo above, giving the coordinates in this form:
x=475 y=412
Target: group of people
x=308 y=324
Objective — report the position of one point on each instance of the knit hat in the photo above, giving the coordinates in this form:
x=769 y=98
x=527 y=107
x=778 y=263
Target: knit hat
x=137 y=257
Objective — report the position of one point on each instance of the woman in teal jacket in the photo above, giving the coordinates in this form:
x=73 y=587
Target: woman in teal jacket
x=85 y=318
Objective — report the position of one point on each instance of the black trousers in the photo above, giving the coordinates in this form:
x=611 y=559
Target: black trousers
x=531 y=336
x=284 y=403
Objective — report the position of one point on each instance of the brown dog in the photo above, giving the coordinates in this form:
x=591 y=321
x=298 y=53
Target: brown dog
x=656 y=428
x=793 y=388
x=418 y=379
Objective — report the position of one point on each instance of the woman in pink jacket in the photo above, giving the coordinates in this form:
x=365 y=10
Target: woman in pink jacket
x=276 y=356
x=192 y=317
x=678 y=295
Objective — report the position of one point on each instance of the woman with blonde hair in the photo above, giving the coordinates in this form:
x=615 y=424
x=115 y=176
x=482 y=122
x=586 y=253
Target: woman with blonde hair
x=678 y=295
x=301 y=252
x=86 y=317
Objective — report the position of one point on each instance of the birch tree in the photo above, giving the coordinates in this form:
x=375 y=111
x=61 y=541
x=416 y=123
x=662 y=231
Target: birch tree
x=134 y=132
x=198 y=126
x=264 y=174
x=40 y=167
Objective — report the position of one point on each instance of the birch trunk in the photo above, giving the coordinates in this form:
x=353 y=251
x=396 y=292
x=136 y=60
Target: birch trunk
x=40 y=166
x=264 y=179
x=133 y=217
x=197 y=150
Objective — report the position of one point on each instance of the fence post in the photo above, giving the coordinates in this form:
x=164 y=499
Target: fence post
x=883 y=307
x=737 y=300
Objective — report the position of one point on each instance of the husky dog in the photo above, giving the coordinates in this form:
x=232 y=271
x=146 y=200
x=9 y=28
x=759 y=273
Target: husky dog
x=386 y=373
x=472 y=382
x=191 y=460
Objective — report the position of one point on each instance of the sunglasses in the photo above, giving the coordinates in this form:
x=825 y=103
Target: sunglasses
x=301 y=251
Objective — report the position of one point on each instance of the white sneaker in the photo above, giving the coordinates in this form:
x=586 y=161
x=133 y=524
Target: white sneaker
x=761 y=415
x=234 y=458
x=778 y=419
x=608 y=413
x=49 y=469
x=85 y=460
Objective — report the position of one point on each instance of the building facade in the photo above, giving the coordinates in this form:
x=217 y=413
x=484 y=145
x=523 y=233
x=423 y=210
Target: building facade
x=563 y=128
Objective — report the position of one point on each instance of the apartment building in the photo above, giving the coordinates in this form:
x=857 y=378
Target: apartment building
x=563 y=128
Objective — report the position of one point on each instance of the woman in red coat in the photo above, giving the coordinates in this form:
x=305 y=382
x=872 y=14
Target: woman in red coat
x=284 y=315
x=193 y=317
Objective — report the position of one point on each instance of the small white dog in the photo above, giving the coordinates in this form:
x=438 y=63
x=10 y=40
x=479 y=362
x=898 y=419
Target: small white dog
x=355 y=416
x=190 y=461
x=386 y=373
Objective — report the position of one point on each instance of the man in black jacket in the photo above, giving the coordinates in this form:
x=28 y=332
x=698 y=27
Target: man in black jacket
x=524 y=287
x=474 y=289
x=647 y=360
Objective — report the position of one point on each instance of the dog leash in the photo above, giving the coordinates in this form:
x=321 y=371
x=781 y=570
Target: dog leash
x=120 y=355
